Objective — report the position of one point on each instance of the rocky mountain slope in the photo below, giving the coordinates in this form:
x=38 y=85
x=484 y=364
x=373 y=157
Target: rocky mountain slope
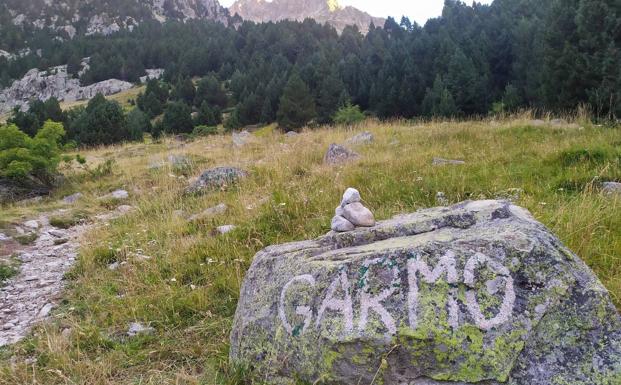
x=323 y=11
x=71 y=17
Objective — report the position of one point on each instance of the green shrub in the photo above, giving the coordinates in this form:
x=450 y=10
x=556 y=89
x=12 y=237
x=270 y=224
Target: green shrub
x=6 y=272
x=585 y=155
x=204 y=130
x=22 y=157
x=348 y=115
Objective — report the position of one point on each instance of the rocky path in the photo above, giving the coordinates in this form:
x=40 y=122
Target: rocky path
x=30 y=296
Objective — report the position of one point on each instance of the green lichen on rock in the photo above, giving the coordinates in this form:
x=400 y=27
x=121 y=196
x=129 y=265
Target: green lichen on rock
x=474 y=293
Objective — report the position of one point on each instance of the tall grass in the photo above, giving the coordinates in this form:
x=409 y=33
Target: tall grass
x=188 y=290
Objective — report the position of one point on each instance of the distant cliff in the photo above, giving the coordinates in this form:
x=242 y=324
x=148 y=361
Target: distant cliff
x=323 y=11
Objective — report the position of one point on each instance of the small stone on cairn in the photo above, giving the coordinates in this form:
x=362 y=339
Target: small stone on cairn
x=351 y=213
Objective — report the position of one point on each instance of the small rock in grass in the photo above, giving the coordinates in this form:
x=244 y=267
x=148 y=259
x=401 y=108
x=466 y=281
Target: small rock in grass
x=124 y=209
x=72 y=198
x=442 y=162
x=136 y=328
x=361 y=138
x=291 y=134
x=119 y=194
x=32 y=224
x=441 y=199
x=337 y=154
x=340 y=224
x=225 y=229
x=114 y=266
x=611 y=188
x=358 y=215
x=45 y=310
x=4 y=237
x=208 y=213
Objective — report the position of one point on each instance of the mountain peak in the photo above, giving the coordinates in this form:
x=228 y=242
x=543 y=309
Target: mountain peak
x=323 y=11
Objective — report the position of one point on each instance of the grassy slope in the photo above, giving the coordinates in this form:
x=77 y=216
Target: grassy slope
x=188 y=291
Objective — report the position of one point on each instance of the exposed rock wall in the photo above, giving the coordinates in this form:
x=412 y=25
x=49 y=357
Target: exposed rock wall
x=55 y=82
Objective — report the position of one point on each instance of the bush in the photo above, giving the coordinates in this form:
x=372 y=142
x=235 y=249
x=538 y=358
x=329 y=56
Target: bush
x=348 y=115
x=177 y=118
x=22 y=157
x=204 y=130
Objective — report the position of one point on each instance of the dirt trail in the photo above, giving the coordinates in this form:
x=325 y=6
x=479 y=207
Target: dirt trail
x=29 y=297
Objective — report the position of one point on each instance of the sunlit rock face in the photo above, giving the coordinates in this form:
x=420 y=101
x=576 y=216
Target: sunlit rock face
x=321 y=10
x=476 y=293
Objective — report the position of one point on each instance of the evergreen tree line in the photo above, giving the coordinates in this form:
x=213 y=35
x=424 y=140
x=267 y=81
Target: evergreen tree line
x=552 y=55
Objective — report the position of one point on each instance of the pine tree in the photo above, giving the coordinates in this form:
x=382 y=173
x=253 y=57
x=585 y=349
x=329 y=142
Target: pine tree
x=297 y=106
x=331 y=95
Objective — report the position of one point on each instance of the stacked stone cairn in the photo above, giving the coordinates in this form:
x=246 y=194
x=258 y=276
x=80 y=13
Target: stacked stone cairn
x=351 y=213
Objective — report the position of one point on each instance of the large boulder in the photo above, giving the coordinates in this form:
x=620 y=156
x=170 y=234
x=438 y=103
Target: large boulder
x=476 y=293
x=214 y=178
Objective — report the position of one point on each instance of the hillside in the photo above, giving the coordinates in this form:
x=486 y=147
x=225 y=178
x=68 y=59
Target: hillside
x=68 y=18
x=180 y=279
x=322 y=11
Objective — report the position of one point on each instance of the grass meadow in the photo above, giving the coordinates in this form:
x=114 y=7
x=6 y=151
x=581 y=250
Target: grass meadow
x=188 y=290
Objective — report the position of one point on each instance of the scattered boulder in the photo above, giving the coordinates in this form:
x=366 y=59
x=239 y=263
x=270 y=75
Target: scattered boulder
x=72 y=198
x=611 y=188
x=291 y=134
x=361 y=138
x=209 y=213
x=136 y=328
x=443 y=162
x=557 y=122
x=337 y=154
x=475 y=293
x=218 y=177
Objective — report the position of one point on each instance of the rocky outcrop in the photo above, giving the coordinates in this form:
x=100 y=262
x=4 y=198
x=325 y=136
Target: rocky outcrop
x=476 y=293
x=322 y=11
x=69 y=18
x=55 y=82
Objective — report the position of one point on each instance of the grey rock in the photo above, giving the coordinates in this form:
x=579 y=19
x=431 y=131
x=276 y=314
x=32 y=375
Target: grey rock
x=32 y=224
x=124 y=209
x=4 y=237
x=209 y=213
x=557 y=122
x=443 y=162
x=55 y=82
x=136 y=328
x=341 y=224
x=241 y=139
x=358 y=215
x=361 y=138
x=611 y=188
x=441 y=199
x=214 y=178
x=152 y=73
x=291 y=134
x=537 y=123
x=351 y=195
x=225 y=229
x=45 y=310
x=409 y=302
x=179 y=162
x=72 y=198
x=118 y=194
x=337 y=154
x=114 y=266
